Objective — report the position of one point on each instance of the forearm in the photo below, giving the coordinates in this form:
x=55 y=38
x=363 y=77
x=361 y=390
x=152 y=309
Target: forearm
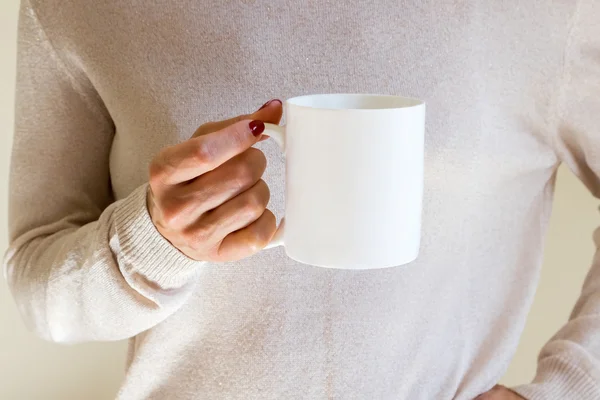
x=569 y=364
x=107 y=280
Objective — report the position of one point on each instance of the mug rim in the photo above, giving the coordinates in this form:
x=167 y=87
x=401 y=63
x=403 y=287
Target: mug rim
x=411 y=102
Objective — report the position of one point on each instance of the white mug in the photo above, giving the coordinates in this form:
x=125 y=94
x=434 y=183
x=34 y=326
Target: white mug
x=354 y=180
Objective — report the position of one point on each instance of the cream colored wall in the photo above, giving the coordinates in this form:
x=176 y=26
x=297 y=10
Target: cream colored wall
x=31 y=369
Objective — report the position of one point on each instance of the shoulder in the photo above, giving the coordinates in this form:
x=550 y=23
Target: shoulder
x=70 y=19
x=78 y=27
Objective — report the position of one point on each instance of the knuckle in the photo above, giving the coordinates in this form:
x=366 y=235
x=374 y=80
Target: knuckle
x=239 y=133
x=157 y=170
x=257 y=158
x=254 y=203
x=256 y=244
x=263 y=233
x=204 y=152
x=199 y=236
x=170 y=214
x=245 y=174
x=250 y=167
x=252 y=206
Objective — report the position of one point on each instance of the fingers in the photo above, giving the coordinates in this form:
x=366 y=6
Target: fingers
x=212 y=189
x=210 y=127
x=238 y=212
x=237 y=229
x=212 y=145
x=227 y=181
x=271 y=112
x=249 y=240
x=197 y=156
x=241 y=226
x=206 y=196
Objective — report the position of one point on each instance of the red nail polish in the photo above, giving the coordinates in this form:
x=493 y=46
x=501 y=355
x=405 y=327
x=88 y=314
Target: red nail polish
x=269 y=102
x=257 y=127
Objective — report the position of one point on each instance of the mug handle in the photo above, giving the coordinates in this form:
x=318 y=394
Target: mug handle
x=277 y=133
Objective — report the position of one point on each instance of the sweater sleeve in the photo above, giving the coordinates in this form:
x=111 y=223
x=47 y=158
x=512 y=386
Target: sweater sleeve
x=569 y=364
x=80 y=266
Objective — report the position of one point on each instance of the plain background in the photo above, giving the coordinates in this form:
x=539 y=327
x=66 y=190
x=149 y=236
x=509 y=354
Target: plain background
x=31 y=369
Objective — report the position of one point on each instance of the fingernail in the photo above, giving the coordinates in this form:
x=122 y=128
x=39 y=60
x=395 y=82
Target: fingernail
x=257 y=127
x=269 y=102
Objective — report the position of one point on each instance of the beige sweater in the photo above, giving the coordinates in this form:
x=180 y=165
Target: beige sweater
x=513 y=90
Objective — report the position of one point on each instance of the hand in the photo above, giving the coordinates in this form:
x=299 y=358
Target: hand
x=206 y=195
x=499 y=392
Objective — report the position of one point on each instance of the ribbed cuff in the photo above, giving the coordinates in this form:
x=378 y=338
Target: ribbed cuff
x=557 y=379
x=145 y=250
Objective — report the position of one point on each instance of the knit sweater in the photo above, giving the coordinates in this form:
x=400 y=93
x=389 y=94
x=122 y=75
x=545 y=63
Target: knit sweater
x=512 y=91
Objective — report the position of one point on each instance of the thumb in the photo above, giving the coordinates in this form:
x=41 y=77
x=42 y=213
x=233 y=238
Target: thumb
x=271 y=112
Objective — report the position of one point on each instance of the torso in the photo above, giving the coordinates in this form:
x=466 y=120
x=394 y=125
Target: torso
x=443 y=327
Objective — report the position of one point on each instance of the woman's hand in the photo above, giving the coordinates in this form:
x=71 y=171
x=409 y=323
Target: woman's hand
x=499 y=392
x=206 y=195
